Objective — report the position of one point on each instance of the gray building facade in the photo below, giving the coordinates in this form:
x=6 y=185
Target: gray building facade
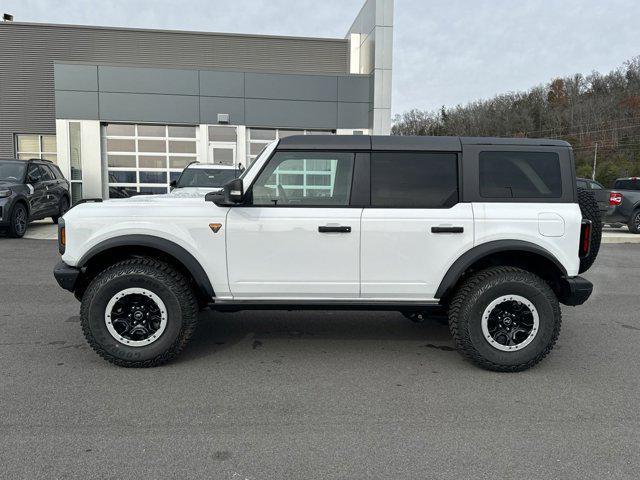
x=128 y=108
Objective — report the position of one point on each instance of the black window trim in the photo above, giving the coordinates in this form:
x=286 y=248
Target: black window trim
x=459 y=168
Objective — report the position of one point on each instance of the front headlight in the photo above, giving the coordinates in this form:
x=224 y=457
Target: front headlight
x=5 y=193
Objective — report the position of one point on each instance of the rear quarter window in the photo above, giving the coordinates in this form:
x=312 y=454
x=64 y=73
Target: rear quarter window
x=517 y=174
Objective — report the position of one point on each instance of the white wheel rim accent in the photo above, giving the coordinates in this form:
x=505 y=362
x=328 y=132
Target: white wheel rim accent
x=138 y=291
x=485 y=323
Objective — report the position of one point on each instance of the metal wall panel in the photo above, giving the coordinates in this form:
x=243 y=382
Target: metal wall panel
x=148 y=80
x=291 y=87
x=29 y=50
x=76 y=77
x=278 y=100
x=210 y=107
x=77 y=105
x=221 y=84
x=290 y=113
x=137 y=107
x=354 y=88
x=353 y=115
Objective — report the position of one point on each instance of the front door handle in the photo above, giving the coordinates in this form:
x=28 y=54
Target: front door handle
x=336 y=229
x=447 y=229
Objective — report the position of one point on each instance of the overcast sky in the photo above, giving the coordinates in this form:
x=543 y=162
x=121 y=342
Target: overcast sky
x=446 y=52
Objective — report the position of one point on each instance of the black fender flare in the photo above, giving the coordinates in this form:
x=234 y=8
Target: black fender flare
x=478 y=252
x=167 y=246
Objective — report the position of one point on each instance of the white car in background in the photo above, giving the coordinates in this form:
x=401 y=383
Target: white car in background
x=198 y=179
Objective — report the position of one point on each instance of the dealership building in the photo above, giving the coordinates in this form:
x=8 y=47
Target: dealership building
x=127 y=109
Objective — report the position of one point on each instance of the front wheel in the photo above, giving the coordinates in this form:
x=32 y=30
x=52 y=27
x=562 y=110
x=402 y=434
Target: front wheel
x=504 y=319
x=139 y=313
x=18 y=221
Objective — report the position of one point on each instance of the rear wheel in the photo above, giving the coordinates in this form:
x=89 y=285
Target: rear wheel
x=62 y=209
x=634 y=222
x=504 y=319
x=18 y=221
x=139 y=313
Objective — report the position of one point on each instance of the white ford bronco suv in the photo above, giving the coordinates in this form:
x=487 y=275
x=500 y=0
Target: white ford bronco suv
x=492 y=232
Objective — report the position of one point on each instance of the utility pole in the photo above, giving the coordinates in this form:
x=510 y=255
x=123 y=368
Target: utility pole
x=595 y=160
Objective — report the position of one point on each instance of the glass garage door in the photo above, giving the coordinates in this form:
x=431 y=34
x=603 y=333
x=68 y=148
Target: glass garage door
x=144 y=159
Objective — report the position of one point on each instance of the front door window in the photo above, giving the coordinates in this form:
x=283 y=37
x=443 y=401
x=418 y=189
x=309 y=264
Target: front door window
x=305 y=179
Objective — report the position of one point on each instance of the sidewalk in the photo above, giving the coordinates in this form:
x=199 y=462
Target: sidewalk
x=619 y=235
x=42 y=230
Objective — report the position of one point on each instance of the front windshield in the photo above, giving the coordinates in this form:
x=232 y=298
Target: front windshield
x=12 y=171
x=206 y=177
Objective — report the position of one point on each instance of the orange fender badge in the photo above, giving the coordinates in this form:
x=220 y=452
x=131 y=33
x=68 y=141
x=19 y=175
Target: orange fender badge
x=215 y=227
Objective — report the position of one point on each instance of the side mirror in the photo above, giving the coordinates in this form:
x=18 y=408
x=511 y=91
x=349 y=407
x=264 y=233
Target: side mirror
x=173 y=184
x=231 y=194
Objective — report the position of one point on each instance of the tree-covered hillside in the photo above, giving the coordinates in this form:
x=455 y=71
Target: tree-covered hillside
x=596 y=109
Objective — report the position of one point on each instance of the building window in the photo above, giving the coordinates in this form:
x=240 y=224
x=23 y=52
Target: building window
x=36 y=146
x=144 y=159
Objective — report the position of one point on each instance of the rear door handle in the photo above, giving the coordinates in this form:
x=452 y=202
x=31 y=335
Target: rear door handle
x=336 y=229
x=447 y=229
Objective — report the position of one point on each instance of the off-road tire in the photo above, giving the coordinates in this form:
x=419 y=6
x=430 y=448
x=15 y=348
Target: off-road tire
x=14 y=231
x=62 y=209
x=634 y=222
x=477 y=292
x=590 y=211
x=160 y=278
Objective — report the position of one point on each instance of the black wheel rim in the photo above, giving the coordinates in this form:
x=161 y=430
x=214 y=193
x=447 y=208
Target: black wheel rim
x=20 y=221
x=510 y=322
x=135 y=317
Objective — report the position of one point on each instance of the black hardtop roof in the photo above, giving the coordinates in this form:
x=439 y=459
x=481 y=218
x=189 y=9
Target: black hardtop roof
x=400 y=142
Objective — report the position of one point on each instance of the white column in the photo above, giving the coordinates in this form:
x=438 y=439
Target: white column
x=371 y=47
x=91 y=155
x=62 y=145
x=241 y=146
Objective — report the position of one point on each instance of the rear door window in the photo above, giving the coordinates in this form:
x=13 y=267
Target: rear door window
x=582 y=184
x=518 y=174
x=414 y=180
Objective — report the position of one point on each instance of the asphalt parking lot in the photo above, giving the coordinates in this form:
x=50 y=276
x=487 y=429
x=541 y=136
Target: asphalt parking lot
x=295 y=395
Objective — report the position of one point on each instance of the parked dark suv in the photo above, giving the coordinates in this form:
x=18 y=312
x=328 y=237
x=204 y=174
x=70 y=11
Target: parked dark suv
x=31 y=190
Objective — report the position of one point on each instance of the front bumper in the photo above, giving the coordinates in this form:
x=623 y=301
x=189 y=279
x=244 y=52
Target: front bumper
x=574 y=290
x=5 y=210
x=66 y=276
